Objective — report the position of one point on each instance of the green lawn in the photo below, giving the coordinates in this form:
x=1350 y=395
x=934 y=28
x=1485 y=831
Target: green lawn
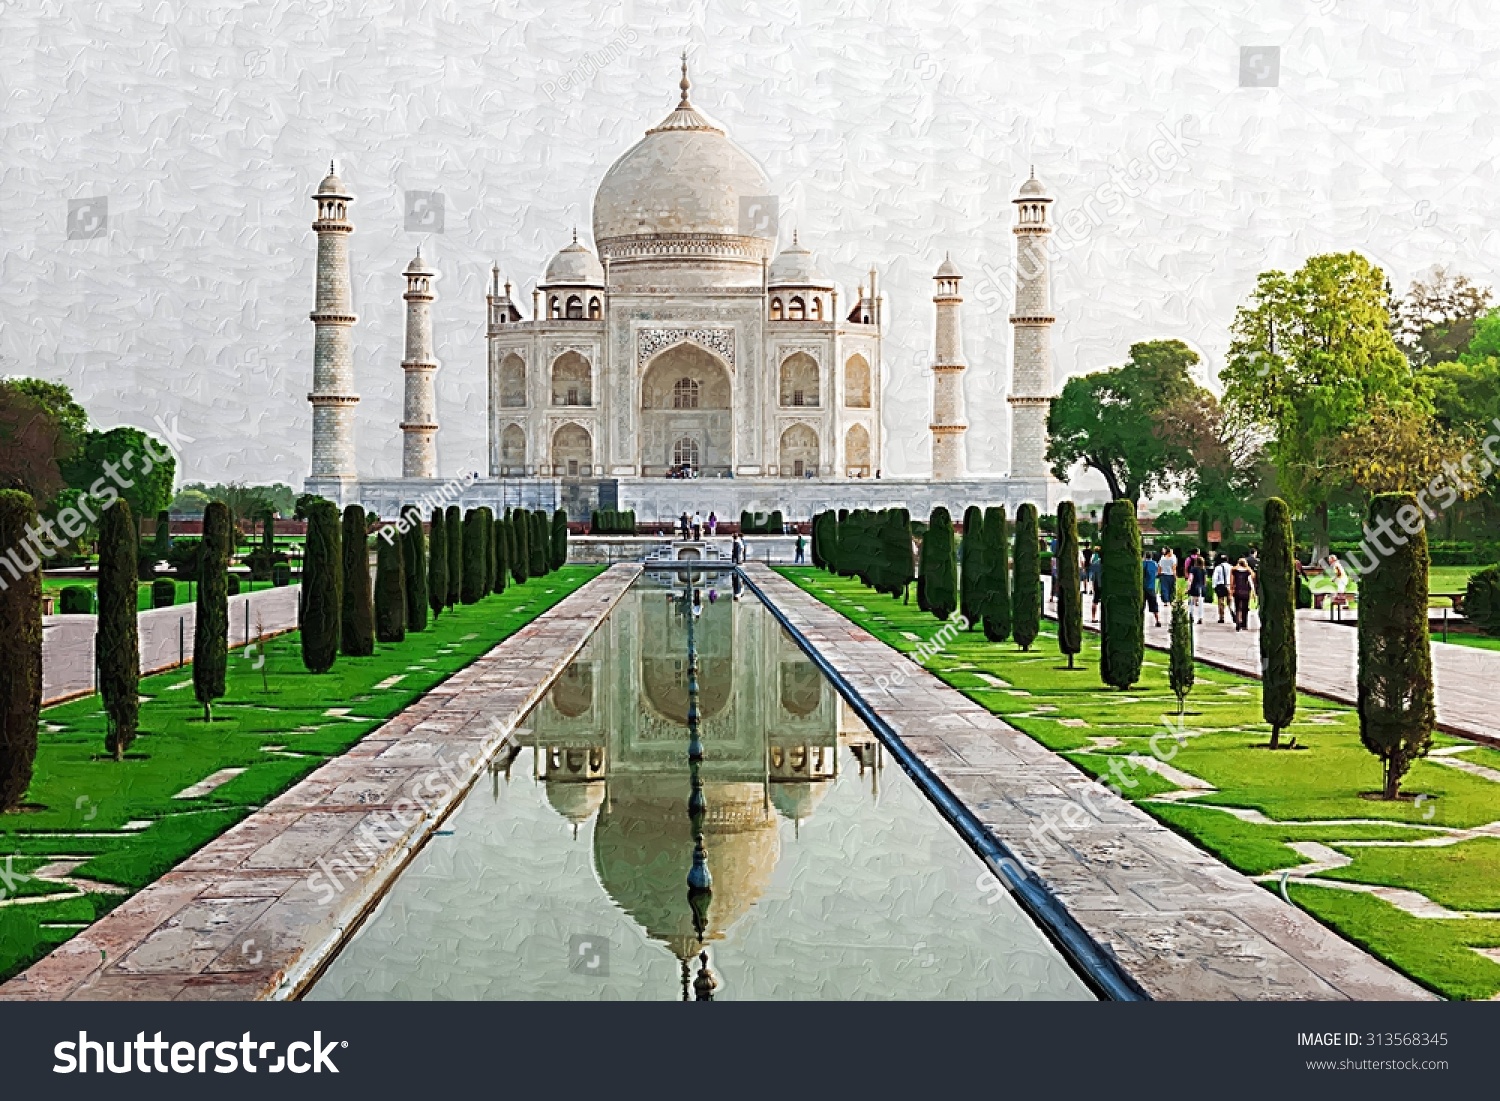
x=1317 y=793
x=186 y=593
x=277 y=723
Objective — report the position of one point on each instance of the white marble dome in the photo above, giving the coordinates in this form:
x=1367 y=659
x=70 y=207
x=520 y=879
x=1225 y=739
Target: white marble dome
x=796 y=266
x=575 y=265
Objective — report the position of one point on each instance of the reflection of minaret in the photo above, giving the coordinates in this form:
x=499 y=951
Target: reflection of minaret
x=419 y=424
x=700 y=882
x=948 y=425
x=1031 y=361
x=333 y=398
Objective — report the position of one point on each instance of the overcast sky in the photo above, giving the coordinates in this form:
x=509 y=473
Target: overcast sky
x=892 y=132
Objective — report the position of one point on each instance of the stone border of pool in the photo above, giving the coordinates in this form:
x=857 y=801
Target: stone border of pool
x=245 y=917
x=1182 y=925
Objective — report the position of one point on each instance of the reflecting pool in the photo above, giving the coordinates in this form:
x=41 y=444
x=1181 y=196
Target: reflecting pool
x=693 y=812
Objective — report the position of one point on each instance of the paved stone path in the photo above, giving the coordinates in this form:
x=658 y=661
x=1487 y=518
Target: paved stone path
x=68 y=640
x=1327 y=663
x=1183 y=924
x=253 y=914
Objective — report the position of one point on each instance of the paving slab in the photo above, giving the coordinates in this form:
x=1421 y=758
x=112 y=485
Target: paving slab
x=256 y=912
x=1183 y=924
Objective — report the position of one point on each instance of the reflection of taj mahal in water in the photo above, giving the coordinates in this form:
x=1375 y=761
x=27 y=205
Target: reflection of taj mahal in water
x=688 y=339
x=612 y=736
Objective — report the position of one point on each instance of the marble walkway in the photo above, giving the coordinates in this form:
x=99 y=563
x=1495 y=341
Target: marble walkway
x=253 y=914
x=1184 y=925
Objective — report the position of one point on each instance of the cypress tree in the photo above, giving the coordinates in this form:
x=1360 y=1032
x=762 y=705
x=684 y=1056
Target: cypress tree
x=20 y=654
x=414 y=569
x=322 y=587
x=211 y=623
x=972 y=569
x=1180 y=655
x=1122 y=627
x=357 y=631
x=896 y=549
x=473 y=580
x=162 y=540
x=1396 y=708
x=520 y=566
x=997 y=617
x=119 y=644
x=1069 y=587
x=437 y=564
x=941 y=565
x=502 y=554
x=453 y=529
x=492 y=550
x=559 y=539
x=1278 y=620
x=540 y=543
x=1026 y=593
x=390 y=589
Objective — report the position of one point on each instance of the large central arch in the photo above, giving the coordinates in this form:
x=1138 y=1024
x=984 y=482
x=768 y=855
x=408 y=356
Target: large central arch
x=686 y=394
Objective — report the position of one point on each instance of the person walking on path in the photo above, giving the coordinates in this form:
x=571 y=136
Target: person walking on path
x=1096 y=572
x=1242 y=588
x=1166 y=576
x=682 y=525
x=801 y=547
x=697 y=527
x=1149 y=570
x=713 y=523
x=737 y=550
x=1340 y=581
x=1197 y=575
x=1221 y=585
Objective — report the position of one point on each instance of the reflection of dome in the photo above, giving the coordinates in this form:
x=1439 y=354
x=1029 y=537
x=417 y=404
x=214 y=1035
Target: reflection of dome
x=575 y=801
x=797 y=800
x=643 y=848
x=574 y=265
x=677 y=194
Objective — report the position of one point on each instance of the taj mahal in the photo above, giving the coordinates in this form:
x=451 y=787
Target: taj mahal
x=684 y=362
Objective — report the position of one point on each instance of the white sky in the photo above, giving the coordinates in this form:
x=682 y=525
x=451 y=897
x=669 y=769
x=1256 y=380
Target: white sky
x=893 y=133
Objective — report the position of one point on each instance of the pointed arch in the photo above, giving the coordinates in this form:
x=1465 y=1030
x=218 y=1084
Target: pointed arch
x=857 y=451
x=857 y=382
x=799 y=452
x=572 y=451
x=800 y=383
x=512 y=382
x=572 y=380
x=513 y=450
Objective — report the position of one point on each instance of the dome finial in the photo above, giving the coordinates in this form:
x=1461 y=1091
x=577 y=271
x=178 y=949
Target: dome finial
x=794 y=238
x=684 y=84
x=575 y=235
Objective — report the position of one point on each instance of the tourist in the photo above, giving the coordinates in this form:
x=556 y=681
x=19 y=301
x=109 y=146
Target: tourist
x=801 y=546
x=1149 y=570
x=739 y=586
x=713 y=523
x=1096 y=574
x=1242 y=588
x=1166 y=575
x=697 y=527
x=737 y=549
x=1221 y=585
x=1052 y=591
x=682 y=525
x=1197 y=575
x=1340 y=581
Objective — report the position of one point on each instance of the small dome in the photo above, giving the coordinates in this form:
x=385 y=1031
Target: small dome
x=949 y=269
x=797 y=800
x=576 y=802
x=332 y=185
x=795 y=266
x=418 y=266
x=1033 y=188
x=575 y=264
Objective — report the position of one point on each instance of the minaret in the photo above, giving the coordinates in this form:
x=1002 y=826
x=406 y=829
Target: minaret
x=1031 y=360
x=333 y=398
x=419 y=424
x=948 y=425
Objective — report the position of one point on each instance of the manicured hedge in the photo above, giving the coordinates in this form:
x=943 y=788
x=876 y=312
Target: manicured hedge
x=163 y=592
x=76 y=600
x=612 y=522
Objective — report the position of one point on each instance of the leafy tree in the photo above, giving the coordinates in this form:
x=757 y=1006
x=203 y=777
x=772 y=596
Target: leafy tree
x=453 y=529
x=119 y=645
x=1309 y=356
x=502 y=553
x=1396 y=708
x=940 y=565
x=437 y=568
x=414 y=566
x=145 y=468
x=1069 y=583
x=1026 y=593
x=559 y=539
x=997 y=606
x=520 y=566
x=33 y=446
x=474 y=557
x=1171 y=523
x=357 y=629
x=1434 y=321
x=1482 y=600
x=1122 y=625
x=1180 y=654
x=211 y=624
x=20 y=654
x=247 y=500
x=1113 y=421
x=390 y=591
x=1397 y=447
x=322 y=587
x=162 y=539
x=1278 y=619
x=538 y=542
x=57 y=401
x=971 y=567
